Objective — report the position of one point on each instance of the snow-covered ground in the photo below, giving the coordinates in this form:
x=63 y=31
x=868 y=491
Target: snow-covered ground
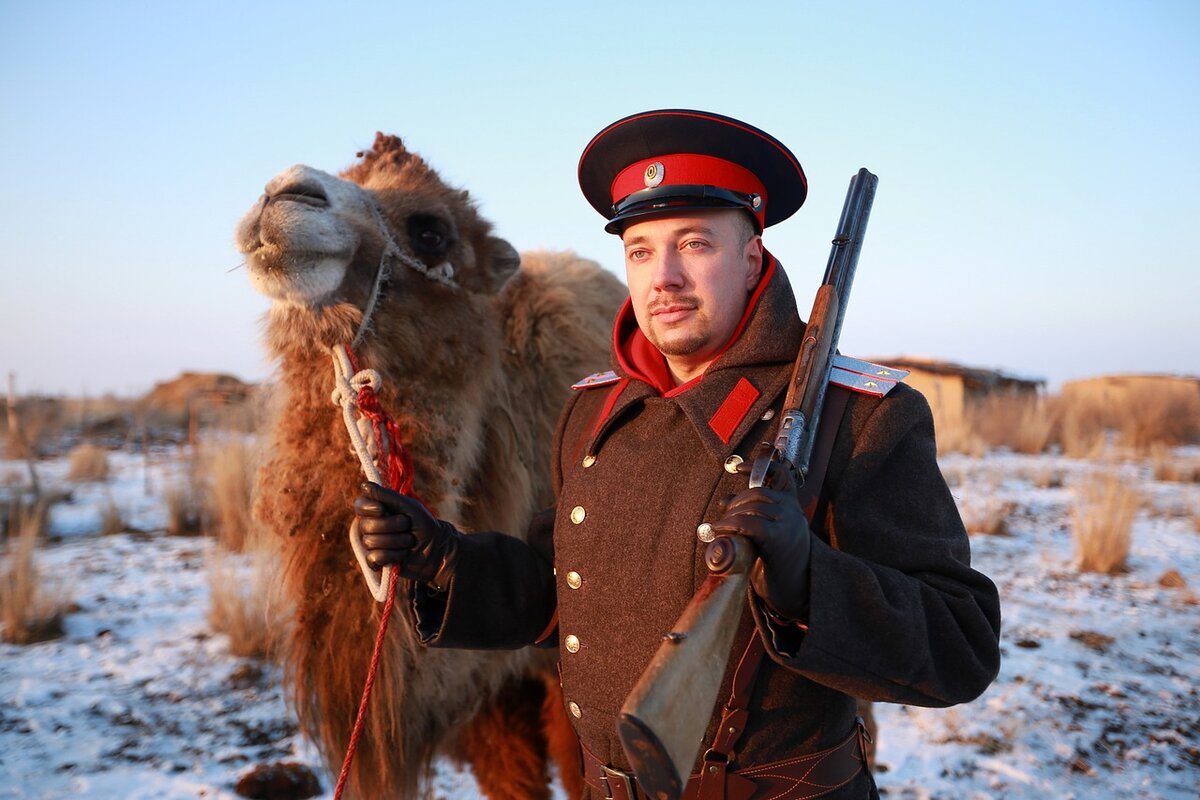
x=1097 y=696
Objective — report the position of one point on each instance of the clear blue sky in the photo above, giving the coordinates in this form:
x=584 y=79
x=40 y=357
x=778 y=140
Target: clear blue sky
x=1038 y=162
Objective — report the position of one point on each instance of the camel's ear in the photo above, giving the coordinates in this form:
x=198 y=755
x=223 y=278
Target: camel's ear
x=505 y=261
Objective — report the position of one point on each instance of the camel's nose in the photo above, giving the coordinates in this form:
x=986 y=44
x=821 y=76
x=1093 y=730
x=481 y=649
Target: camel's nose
x=299 y=184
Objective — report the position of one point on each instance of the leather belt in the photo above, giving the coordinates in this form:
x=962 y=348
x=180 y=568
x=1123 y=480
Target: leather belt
x=800 y=778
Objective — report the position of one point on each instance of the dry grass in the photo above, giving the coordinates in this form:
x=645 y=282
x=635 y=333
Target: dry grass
x=1082 y=427
x=32 y=424
x=1020 y=424
x=1046 y=476
x=1082 y=422
x=959 y=438
x=229 y=469
x=983 y=511
x=1103 y=523
x=30 y=611
x=1157 y=415
x=183 y=510
x=111 y=521
x=88 y=462
x=1166 y=466
x=246 y=599
x=988 y=515
x=1137 y=415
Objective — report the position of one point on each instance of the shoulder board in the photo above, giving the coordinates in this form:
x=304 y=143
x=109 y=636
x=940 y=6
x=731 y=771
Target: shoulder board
x=864 y=377
x=597 y=379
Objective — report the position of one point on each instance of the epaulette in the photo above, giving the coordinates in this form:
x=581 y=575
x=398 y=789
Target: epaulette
x=863 y=376
x=597 y=379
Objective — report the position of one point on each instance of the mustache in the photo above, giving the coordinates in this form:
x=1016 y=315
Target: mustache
x=670 y=301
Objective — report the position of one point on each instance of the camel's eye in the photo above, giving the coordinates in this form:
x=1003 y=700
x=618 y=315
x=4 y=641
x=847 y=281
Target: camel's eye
x=430 y=236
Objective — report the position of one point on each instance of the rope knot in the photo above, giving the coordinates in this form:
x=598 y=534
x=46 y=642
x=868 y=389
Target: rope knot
x=366 y=378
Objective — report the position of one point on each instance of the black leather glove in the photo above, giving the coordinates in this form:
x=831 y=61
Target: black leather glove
x=398 y=531
x=771 y=517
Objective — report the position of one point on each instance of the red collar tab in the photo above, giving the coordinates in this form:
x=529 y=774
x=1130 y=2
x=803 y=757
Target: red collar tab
x=733 y=410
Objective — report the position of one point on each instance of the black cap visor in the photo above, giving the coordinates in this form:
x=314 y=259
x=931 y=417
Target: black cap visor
x=674 y=199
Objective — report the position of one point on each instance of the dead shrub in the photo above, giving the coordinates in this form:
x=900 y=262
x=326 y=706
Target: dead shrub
x=988 y=515
x=1138 y=411
x=88 y=462
x=958 y=437
x=982 y=510
x=111 y=520
x=183 y=510
x=1160 y=414
x=25 y=513
x=1103 y=523
x=229 y=469
x=245 y=597
x=1046 y=476
x=30 y=611
x=1166 y=466
x=1020 y=423
x=1082 y=429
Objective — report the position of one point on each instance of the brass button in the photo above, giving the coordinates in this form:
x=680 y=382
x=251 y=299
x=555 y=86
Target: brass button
x=588 y=461
x=576 y=711
x=731 y=464
x=705 y=532
x=577 y=514
x=574 y=579
x=572 y=643
x=768 y=414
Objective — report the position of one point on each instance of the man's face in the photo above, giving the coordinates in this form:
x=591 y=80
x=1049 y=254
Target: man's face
x=689 y=279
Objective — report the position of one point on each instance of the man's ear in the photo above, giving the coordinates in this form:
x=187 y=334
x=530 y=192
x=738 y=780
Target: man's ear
x=753 y=254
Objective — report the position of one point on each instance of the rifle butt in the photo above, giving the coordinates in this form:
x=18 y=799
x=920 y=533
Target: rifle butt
x=663 y=721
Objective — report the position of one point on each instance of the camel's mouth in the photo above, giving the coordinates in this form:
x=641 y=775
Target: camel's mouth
x=285 y=263
x=305 y=278
x=302 y=236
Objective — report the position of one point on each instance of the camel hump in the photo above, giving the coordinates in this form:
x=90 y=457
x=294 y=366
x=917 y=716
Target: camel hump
x=606 y=378
x=558 y=312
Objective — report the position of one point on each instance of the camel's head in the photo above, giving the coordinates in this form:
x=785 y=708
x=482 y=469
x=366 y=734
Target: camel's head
x=314 y=239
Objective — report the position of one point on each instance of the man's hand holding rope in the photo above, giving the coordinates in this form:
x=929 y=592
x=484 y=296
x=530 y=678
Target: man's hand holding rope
x=398 y=531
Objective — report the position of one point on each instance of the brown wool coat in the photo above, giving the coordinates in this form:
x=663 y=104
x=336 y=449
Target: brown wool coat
x=896 y=612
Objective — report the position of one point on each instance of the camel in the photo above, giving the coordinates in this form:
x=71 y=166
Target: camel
x=477 y=348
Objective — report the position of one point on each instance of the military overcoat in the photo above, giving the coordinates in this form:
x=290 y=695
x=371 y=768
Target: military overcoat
x=896 y=613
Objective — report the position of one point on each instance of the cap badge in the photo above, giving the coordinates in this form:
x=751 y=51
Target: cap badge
x=654 y=174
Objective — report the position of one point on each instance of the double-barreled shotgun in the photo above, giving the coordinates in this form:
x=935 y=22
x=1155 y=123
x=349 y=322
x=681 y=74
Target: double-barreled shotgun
x=664 y=719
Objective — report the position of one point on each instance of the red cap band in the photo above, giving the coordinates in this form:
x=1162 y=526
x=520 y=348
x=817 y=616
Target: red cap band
x=684 y=169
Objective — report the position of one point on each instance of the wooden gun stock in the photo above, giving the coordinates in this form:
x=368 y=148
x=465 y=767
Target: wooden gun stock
x=663 y=721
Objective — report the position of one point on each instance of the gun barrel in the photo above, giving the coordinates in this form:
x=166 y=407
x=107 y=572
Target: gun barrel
x=806 y=394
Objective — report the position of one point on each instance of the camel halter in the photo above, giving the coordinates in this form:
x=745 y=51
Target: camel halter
x=374 y=436
x=443 y=273
x=372 y=432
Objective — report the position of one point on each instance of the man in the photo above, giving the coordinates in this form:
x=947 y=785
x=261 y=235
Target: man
x=874 y=599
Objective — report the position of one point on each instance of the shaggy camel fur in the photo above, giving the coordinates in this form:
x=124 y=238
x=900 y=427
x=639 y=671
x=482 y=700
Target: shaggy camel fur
x=477 y=349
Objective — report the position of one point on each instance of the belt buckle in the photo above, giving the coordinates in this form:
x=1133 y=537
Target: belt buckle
x=624 y=779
